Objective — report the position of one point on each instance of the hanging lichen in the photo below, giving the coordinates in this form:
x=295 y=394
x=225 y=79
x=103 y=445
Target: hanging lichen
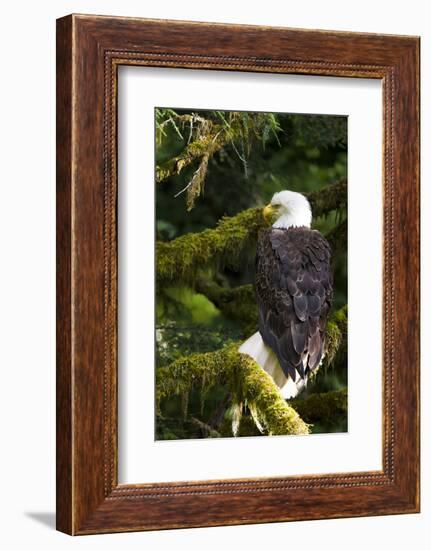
x=196 y=185
x=208 y=136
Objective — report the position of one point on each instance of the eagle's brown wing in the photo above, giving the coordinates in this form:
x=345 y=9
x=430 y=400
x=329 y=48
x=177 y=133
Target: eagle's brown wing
x=294 y=294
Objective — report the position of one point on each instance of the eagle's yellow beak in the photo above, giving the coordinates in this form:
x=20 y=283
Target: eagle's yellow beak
x=269 y=211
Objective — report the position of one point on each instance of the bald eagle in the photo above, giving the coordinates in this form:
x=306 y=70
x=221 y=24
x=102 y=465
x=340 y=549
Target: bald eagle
x=294 y=294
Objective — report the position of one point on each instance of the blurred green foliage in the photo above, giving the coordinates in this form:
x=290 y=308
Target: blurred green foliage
x=249 y=157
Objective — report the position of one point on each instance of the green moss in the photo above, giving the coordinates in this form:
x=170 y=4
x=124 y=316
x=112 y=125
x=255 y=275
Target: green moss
x=248 y=384
x=323 y=408
x=181 y=258
x=250 y=387
x=336 y=337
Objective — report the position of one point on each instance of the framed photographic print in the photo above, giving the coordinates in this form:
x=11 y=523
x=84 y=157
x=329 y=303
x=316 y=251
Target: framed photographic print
x=237 y=274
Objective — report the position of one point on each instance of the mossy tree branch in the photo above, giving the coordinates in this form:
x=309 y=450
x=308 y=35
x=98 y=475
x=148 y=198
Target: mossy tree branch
x=337 y=238
x=211 y=136
x=326 y=408
x=207 y=144
x=336 y=338
x=331 y=197
x=182 y=257
x=248 y=384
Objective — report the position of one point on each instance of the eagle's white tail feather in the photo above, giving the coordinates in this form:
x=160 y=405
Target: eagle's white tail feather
x=256 y=348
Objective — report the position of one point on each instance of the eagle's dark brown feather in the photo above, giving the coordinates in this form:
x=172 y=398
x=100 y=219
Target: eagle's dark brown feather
x=294 y=294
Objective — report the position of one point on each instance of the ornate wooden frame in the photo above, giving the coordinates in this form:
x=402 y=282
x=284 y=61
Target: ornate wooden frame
x=89 y=51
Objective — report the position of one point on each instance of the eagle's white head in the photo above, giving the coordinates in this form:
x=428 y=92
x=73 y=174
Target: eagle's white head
x=288 y=209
